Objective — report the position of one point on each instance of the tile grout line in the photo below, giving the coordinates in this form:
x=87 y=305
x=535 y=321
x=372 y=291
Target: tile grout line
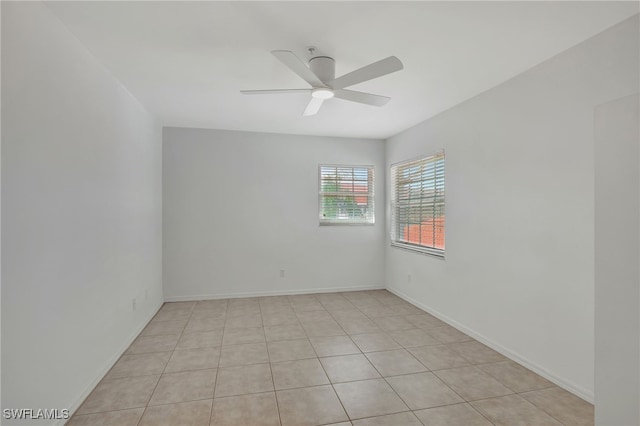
x=273 y=381
x=213 y=396
x=165 y=366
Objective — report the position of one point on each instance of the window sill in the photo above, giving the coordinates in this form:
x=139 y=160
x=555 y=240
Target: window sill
x=346 y=224
x=437 y=253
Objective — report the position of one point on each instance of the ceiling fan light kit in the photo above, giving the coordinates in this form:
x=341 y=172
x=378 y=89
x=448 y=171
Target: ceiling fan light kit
x=320 y=75
x=322 y=93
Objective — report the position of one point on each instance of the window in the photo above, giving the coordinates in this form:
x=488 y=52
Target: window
x=417 y=204
x=345 y=195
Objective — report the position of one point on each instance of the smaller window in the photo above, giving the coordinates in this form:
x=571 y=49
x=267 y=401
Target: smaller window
x=345 y=195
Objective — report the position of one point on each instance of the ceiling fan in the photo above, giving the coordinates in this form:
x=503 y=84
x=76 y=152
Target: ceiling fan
x=320 y=74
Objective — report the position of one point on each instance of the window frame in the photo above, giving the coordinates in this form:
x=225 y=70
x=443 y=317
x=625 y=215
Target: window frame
x=369 y=219
x=393 y=203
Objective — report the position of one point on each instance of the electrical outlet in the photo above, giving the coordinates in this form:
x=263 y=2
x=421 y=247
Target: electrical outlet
x=281 y=273
x=408 y=278
x=133 y=303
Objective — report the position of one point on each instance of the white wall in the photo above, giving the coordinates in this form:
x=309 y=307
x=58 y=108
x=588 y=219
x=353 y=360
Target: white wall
x=239 y=207
x=617 y=248
x=81 y=213
x=519 y=261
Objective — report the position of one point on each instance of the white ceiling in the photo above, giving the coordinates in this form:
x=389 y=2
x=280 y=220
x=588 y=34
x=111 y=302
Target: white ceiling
x=187 y=61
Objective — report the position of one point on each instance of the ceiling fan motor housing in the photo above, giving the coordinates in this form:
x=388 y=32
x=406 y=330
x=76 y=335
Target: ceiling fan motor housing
x=324 y=67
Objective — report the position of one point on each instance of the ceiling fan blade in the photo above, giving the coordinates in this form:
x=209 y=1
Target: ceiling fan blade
x=274 y=91
x=371 y=71
x=363 y=98
x=313 y=106
x=296 y=65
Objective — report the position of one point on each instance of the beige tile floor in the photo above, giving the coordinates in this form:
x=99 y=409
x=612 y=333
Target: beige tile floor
x=356 y=358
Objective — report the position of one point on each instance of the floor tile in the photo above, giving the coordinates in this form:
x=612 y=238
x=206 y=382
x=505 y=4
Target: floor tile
x=139 y=365
x=193 y=359
x=359 y=326
x=200 y=339
x=337 y=305
x=369 y=398
x=302 y=298
x=395 y=362
x=562 y=405
x=273 y=300
x=458 y=414
x=400 y=419
x=270 y=310
x=204 y=324
x=236 y=336
x=244 y=302
x=119 y=394
x=177 y=306
x=194 y=413
x=307 y=307
x=244 y=321
x=413 y=338
x=348 y=368
x=279 y=318
x=172 y=315
x=236 y=310
x=322 y=328
x=284 y=332
x=312 y=316
x=513 y=410
x=388 y=299
x=203 y=314
x=244 y=410
x=334 y=345
x=393 y=323
x=425 y=321
x=405 y=309
x=347 y=314
x=515 y=377
x=244 y=354
x=472 y=383
x=448 y=334
x=211 y=305
x=476 y=352
x=146 y=344
x=164 y=327
x=290 y=350
x=317 y=405
x=371 y=342
x=423 y=390
x=438 y=357
x=364 y=303
x=184 y=386
x=242 y=380
x=110 y=418
x=298 y=374
x=373 y=311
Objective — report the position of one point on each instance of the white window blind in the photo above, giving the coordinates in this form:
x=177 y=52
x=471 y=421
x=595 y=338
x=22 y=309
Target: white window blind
x=345 y=195
x=417 y=204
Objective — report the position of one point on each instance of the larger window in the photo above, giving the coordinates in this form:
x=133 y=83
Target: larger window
x=345 y=195
x=417 y=204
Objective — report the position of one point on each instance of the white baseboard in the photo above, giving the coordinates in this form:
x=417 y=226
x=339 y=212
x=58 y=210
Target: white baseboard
x=561 y=382
x=85 y=393
x=212 y=296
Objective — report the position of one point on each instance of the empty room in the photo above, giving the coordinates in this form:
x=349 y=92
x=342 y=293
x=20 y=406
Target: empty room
x=320 y=213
